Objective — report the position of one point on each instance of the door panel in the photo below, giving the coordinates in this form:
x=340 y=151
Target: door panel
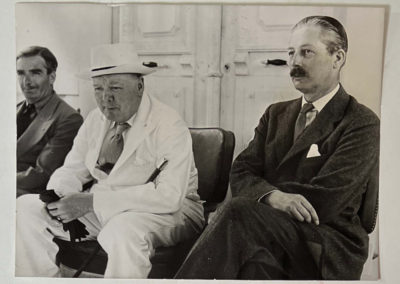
x=172 y=33
x=184 y=41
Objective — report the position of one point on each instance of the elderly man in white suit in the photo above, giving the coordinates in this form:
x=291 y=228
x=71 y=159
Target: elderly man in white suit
x=129 y=216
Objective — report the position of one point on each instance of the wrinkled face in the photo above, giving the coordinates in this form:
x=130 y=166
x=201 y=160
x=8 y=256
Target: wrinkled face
x=312 y=69
x=33 y=79
x=118 y=96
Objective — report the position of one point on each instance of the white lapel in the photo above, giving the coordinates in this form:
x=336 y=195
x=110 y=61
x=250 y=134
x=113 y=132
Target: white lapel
x=142 y=126
x=96 y=140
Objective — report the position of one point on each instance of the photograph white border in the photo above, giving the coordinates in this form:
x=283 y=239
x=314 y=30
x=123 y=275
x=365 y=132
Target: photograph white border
x=389 y=212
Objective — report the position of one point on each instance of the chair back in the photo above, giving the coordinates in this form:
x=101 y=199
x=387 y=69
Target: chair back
x=369 y=206
x=213 y=154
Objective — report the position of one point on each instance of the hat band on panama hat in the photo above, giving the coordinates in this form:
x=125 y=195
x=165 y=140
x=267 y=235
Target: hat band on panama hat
x=103 y=68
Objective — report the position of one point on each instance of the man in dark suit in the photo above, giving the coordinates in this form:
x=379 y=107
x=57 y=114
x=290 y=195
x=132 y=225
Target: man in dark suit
x=46 y=125
x=299 y=184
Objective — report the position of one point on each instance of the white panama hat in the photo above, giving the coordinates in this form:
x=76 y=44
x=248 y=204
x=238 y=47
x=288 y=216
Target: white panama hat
x=115 y=59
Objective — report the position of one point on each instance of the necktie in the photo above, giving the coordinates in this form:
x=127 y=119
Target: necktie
x=112 y=147
x=306 y=116
x=25 y=118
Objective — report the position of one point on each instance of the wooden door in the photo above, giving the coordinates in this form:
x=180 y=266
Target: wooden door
x=184 y=40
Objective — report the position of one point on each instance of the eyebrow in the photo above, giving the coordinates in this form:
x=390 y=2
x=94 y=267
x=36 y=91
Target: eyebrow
x=115 y=83
x=30 y=70
x=302 y=46
x=109 y=84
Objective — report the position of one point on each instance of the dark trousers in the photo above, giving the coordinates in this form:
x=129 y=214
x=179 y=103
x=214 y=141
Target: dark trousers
x=250 y=240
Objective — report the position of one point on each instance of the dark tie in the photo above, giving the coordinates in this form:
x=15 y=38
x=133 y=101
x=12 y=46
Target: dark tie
x=301 y=120
x=25 y=118
x=112 y=147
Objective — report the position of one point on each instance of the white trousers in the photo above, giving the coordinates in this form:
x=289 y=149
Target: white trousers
x=129 y=239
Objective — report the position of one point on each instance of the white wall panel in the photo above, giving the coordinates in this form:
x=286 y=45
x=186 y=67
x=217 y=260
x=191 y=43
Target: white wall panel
x=69 y=31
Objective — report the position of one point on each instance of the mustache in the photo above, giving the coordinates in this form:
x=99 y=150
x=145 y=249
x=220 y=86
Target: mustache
x=28 y=88
x=298 y=71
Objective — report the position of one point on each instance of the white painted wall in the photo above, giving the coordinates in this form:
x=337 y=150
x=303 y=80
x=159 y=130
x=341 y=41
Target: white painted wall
x=362 y=74
x=69 y=31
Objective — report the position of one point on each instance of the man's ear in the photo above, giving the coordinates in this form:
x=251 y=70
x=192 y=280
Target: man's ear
x=141 y=84
x=52 y=78
x=339 y=59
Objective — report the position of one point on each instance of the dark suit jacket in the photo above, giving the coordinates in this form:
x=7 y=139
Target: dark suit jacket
x=347 y=135
x=42 y=148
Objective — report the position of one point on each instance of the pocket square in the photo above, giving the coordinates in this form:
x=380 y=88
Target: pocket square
x=313 y=152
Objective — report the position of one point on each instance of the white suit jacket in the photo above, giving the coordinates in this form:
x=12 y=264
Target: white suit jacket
x=157 y=133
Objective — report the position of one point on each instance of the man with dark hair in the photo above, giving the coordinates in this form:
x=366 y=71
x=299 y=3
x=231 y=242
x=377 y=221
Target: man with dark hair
x=46 y=125
x=299 y=184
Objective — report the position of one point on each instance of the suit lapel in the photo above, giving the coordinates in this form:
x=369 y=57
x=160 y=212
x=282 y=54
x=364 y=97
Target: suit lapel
x=19 y=107
x=321 y=127
x=140 y=129
x=39 y=126
x=285 y=123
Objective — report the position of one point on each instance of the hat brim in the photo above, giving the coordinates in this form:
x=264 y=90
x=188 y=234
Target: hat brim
x=122 y=69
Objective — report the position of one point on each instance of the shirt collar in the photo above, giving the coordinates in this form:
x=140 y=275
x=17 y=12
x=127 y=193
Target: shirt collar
x=41 y=103
x=321 y=102
x=129 y=121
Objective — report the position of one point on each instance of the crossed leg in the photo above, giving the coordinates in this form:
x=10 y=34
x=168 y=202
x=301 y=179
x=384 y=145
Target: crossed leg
x=250 y=240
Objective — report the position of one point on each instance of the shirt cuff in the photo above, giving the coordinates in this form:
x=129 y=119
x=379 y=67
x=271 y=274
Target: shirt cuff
x=264 y=195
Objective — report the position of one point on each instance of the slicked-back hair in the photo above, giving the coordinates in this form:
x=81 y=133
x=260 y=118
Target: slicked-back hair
x=45 y=53
x=327 y=25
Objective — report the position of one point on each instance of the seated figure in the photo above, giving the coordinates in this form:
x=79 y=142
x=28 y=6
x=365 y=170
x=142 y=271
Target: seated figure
x=299 y=184
x=46 y=125
x=119 y=147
